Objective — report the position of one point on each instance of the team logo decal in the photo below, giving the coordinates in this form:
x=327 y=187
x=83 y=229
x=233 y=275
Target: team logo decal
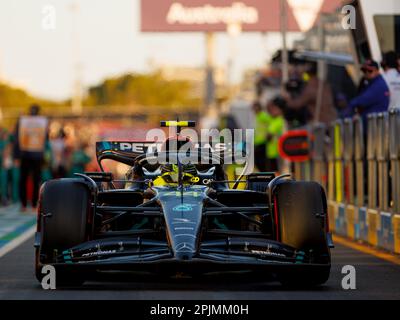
x=183 y=207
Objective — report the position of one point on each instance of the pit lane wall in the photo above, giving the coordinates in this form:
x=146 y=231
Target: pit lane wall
x=359 y=166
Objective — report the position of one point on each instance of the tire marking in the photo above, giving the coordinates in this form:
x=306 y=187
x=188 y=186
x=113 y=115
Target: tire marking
x=17 y=241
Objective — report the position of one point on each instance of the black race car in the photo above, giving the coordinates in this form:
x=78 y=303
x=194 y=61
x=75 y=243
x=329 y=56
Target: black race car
x=171 y=218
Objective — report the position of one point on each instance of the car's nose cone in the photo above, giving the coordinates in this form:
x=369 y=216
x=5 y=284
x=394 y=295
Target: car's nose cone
x=183 y=217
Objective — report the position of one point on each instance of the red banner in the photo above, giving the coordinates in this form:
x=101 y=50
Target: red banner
x=216 y=15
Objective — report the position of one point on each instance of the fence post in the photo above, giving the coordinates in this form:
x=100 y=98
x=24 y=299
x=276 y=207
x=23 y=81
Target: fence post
x=382 y=155
x=338 y=155
x=329 y=151
x=394 y=151
x=359 y=156
x=372 y=214
x=341 y=218
x=319 y=169
x=372 y=165
x=361 y=227
x=348 y=157
x=330 y=156
x=385 y=228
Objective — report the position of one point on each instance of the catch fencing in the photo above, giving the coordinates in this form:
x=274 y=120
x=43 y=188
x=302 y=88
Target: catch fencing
x=359 y=166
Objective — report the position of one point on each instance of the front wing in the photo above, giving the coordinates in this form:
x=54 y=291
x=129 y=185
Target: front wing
x=139 y=254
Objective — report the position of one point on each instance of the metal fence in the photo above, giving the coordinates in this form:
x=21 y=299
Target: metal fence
x=360 y=170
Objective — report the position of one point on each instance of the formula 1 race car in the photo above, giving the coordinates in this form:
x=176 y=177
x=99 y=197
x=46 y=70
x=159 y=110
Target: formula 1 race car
x=171 y=218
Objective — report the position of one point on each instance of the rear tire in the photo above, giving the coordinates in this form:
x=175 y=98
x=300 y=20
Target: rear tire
x=301 y=210
x=67 y=204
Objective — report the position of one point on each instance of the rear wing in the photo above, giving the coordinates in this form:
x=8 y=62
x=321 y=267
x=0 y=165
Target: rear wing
x=125 y=151
x=178 y=124
x=133 y=149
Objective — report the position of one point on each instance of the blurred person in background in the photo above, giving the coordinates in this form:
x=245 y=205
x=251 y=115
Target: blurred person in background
x=31 y=139
x=227 y=119
x=6 y=169
x=260 y=137
x=9 y=173
x=14 y=171
x=59 y=155
x=363 y=84
x=308 y=98
x=295 y=117
x=343 y=87
x=275 y=128
x=398 y=62
x=375 y=96
x=262 y=83
x=392 y=77
x=348 y=112
x=47 y=161
x=3 y=185
x=79 y=159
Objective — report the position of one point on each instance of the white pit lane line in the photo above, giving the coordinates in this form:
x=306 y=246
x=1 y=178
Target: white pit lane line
x=17 y=241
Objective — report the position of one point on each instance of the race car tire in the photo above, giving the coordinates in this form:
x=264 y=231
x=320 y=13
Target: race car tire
x=301 y=216
x=65 y=206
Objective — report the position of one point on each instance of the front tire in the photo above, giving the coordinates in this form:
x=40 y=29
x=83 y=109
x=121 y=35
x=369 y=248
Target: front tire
x=64 y=212
x=301 y=210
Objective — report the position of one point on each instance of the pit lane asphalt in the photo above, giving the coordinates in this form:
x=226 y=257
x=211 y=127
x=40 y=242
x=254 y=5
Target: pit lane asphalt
x=375 y=278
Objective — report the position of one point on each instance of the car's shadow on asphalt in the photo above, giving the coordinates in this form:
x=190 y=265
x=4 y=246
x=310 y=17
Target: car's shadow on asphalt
x=215 y=282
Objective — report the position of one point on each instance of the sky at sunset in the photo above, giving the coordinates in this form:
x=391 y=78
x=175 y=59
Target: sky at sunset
x=110 y=43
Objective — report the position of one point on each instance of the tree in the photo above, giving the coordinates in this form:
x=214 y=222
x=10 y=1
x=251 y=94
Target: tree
x=143 y=90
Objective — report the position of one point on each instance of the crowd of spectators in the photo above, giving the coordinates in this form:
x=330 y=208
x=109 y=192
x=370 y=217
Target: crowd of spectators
x=306 y=100
x=32 y=154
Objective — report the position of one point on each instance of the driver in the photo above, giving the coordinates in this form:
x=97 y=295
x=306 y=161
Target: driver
x=170 y=175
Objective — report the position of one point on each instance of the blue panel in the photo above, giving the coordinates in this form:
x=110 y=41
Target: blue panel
x=357 y=229
x=341 y=224
x=385 y=234
x=362 y=222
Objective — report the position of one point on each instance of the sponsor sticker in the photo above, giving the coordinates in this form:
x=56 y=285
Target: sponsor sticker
x=183 y=207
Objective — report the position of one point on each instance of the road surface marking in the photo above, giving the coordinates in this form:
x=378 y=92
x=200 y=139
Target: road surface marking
x=17 y=241
x=367 y=249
